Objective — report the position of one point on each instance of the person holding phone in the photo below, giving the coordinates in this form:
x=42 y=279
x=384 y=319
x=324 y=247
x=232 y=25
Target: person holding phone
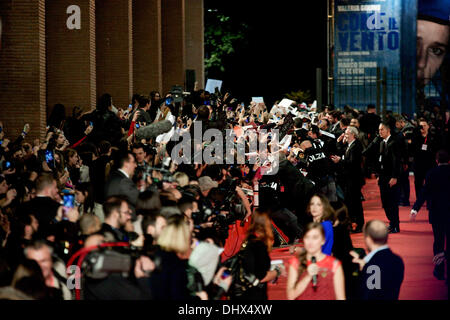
x=69 y=203
x=143 y=109
x=164 y=111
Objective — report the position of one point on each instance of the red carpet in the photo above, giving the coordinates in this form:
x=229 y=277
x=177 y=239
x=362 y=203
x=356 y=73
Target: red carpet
x=414 y=244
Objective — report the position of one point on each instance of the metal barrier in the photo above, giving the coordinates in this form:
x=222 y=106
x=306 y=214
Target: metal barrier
x=382 y=88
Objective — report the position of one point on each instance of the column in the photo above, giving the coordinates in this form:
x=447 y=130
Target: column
x=173 y=40
x=114 y=50
x=22 y=67
x=70 y=45
x=195 y=39
x=147 y=47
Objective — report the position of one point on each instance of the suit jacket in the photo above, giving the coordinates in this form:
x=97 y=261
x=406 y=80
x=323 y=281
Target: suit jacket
x=119 y=184
x=436 y=192
x=351 y=165
x=44 y=210
x=392 y=271
x=390 y=165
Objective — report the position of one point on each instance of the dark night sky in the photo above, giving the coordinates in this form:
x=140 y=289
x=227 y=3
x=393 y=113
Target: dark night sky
x=286 y=43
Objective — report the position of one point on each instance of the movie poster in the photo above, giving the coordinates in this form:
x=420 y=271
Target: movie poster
x=374 y=54
x=433 y=57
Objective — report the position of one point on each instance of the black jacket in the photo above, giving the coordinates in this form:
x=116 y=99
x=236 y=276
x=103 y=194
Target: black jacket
x=391 y=269
x=424 y=160
x=119 y=184
x=44 y=210
x=256 y=261
x=389 y=160
x=369 y=124
x=107 y=126
x=169 y=281
x=351 y=165
x=436 y=192
x=98 y=177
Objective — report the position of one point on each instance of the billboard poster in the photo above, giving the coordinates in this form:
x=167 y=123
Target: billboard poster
x=374 y=54
x=433 y=57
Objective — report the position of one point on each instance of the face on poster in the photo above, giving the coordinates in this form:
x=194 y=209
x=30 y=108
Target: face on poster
x=433 y=57
x=409 y=39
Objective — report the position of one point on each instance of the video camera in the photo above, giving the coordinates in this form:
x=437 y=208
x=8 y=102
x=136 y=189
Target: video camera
x=178 y=94
x=165 y=171
x=104 y=261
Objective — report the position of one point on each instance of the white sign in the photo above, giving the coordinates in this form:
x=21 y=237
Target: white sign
x=212 y=84
x=258 y=99
x=286 y=103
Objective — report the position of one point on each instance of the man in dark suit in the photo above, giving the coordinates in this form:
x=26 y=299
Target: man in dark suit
x=424 y=148
x=436 y=192
x=388 y=173
x=369 y=123
x=382 y=271
x=352 y=176
x=44 y=207
x=120 y=182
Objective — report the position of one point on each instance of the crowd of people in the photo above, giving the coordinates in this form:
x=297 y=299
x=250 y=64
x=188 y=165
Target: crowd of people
x=103 y=192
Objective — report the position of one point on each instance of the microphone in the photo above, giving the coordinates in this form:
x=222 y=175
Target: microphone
x=314 y=278
x=153 y=130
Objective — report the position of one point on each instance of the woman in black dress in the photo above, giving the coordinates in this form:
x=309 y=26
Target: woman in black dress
x=256 y=259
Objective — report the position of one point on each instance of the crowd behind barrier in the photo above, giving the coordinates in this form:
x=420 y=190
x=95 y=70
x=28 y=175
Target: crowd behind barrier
x=108 y=206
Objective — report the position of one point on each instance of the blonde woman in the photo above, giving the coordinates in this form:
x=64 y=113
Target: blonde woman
x=169 y=280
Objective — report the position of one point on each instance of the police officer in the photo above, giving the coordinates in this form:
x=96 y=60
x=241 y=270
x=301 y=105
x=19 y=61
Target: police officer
x=319 y=167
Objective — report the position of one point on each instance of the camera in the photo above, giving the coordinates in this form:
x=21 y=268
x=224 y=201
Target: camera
x=178 y=94
x=223 y=208
x=167 y=175
x=100 y=263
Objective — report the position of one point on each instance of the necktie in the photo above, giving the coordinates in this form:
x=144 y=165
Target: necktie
x=383 y=147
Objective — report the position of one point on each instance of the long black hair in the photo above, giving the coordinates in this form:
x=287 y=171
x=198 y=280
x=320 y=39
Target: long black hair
x=86 y=189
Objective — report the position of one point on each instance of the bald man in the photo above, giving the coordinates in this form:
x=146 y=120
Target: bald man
x=382 y=271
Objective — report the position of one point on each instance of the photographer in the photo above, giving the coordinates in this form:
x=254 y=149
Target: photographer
x=255 y=264
x=424 y=148
x=127 y=281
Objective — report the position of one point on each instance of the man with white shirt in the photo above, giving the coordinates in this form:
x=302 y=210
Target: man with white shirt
x=389 y=169
x=120 y=182
x=382 y=271
x=352 y=177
